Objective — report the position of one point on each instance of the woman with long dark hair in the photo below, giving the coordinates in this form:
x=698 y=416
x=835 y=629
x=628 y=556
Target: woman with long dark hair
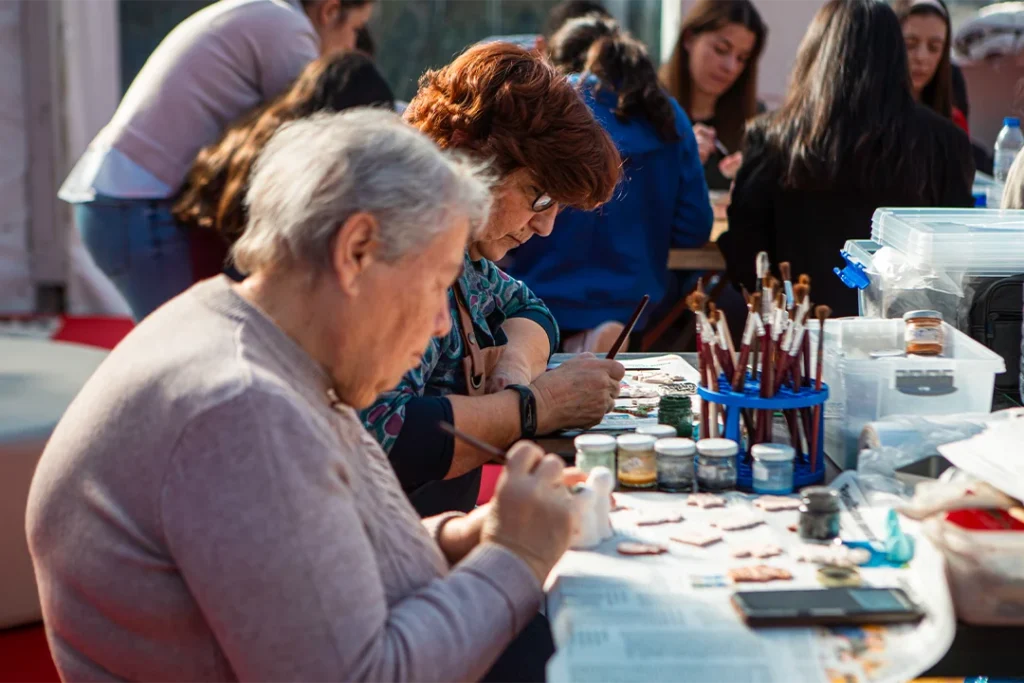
x=928 y=34
x=596 y=265
x=712 y=73
x=848 y=139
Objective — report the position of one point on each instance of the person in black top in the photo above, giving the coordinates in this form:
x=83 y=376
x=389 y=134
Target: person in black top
x=712 y=73
x=848 y=139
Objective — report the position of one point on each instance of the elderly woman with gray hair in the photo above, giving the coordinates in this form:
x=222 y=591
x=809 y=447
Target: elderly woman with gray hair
x=211 y=507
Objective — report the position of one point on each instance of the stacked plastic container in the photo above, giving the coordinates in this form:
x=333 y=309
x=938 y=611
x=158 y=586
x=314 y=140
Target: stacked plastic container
x=981 y=242
x=869 y=379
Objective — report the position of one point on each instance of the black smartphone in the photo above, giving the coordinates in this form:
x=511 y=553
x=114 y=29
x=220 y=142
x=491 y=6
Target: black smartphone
x=827 y=606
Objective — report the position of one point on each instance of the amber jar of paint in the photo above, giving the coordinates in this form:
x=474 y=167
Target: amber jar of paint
x=924 y=335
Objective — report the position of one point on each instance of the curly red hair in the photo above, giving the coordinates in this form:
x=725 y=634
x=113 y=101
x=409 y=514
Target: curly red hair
x=506 y=104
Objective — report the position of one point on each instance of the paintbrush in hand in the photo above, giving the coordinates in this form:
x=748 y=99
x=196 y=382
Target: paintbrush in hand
x=629 y=327
x=498 y=456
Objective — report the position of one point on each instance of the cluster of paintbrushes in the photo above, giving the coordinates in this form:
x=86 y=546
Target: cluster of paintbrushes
x=775 y=346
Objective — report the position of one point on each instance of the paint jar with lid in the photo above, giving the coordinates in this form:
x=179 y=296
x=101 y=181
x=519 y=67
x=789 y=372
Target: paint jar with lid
x=658 y=431
x=819 y=514
x=675 y=464
x=637 y=461
x=677 y=411
x=717 y=468
x=773 y=468
x=594 y=450
x=924 y=335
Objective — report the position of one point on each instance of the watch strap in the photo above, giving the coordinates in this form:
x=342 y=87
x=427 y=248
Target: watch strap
x=527 y=410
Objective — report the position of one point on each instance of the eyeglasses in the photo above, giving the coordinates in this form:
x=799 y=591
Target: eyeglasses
x=542 y=203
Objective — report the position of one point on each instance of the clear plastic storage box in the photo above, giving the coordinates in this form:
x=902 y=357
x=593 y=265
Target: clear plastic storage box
x=983 y=242
x=868 y=380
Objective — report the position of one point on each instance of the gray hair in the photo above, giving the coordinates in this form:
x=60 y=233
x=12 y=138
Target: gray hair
x=315 y=173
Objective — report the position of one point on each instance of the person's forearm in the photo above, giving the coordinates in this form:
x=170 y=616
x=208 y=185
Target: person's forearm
x=493 y=419
x=457 y=534
x=529 y=342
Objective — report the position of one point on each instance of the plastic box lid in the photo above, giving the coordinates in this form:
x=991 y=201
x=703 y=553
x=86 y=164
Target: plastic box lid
x=982 y=241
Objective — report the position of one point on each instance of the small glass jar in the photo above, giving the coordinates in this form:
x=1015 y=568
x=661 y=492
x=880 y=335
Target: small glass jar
x=819 y=514
x=677 y=411
x=595 y=450
x=637 y=462
x=716 y=464
x=924 y=335
x=658 y=431
x=773 y=468
x=675 y=464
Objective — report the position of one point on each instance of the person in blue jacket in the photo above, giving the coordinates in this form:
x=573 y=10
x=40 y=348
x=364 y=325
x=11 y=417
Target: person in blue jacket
x=596 y=265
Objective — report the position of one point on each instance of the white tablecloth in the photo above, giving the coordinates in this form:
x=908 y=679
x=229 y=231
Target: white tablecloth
x=619 y=618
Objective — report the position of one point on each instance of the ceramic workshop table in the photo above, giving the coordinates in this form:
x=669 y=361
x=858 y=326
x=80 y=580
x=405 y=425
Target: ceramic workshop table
x=38 y=380
x=669 y=617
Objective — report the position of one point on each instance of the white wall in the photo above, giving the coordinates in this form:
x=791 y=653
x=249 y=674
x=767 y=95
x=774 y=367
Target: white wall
x=92 y=90
x=17 y=293
x=787 y=21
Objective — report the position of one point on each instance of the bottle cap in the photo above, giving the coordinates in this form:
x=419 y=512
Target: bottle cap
x=1011 y=121
x=675 y=447
x=773 y=452
x=717 y=448
x=658 y=431
x=597 y=442
x=910 y=315
x=636 y=442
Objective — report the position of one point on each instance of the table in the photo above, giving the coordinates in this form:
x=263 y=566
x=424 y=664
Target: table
x=976 y=650
x=707 y=257
x=38 y=380
x=669 y=617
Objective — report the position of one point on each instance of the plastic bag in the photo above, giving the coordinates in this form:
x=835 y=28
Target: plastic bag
x=898 y=286
x=902 y=440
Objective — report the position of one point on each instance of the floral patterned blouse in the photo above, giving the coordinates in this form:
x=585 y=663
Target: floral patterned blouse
x=405 y=419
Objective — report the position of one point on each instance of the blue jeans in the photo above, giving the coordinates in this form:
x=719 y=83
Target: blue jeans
x=140 y=247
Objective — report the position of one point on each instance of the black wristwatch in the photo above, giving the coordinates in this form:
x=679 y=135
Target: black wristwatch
x=527 y=410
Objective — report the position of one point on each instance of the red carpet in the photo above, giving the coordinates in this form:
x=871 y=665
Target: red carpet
x=25 y=656
x=102 y=332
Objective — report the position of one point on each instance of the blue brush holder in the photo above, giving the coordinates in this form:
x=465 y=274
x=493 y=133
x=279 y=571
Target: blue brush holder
x=785 y=399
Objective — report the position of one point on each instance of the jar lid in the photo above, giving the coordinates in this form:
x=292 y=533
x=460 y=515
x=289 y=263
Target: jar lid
x=773 y=452
x=820 y=498
x=658 y=431
x=910 y=315
x=636 y=442
x=676 y=400
x=890 y=353
x=602 y=442
x=675 y=447
x=717 y=448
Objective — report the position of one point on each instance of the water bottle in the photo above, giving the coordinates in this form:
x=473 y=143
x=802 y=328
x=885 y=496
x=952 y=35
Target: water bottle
x=1009 y=142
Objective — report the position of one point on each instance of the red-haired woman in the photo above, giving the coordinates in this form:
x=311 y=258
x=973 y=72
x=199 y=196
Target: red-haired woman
x=503 y=105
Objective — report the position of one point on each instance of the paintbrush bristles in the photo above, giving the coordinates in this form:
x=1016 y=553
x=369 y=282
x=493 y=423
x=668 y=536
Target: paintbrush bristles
x=784 y=270
x=763 y=265
x=755 y=302
x=746 y=294
x=822 y=313
x=800 y=293
x=805 y=279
